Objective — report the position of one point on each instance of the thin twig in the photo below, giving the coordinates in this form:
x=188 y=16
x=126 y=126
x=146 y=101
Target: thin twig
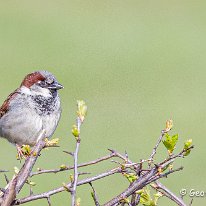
x=61 y=189
x=84 y=173
x=6 y=178
x=4 y=171
x=2 y=190
x=94 y=195
x=74 y=183
x=137 y=200
x=72 y=167
x=191 y=202
x=154 y=151
x=133 y=199
x=160 y=187
x=126 y=159
x=158 y=176
x=30 y=190
x=49 y=201
x=144 y=180
x=69 y=153
x=179 y=155
x=136 y=185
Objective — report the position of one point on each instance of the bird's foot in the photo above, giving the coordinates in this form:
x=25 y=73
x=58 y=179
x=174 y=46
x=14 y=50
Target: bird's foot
x=23 y=151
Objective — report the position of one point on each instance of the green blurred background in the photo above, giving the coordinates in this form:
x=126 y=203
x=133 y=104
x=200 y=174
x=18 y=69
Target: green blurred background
x=135 y=63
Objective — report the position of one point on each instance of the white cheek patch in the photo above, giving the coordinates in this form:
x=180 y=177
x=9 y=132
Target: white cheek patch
x=25 y=90
x=36 y=91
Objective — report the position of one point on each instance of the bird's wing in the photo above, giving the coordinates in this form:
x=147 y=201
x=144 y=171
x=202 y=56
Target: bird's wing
x=5 y=106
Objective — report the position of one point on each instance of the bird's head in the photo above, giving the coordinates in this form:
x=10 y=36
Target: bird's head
x=40 y=83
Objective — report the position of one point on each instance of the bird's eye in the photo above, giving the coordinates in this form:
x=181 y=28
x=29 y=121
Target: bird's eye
x=49 y=81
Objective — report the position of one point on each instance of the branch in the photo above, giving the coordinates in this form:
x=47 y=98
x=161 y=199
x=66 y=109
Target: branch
x=17 y=182
x=30 y=161
x=136 y=185
x=10 y=193
x=160 y=187
x=61 y=189
x=169 y=125
x=154 y=151
x=128 y=162
x=94 y=195
x=153 y=179
x=78 y=166
x=191 y=202
x=142 y=177
x=74 y=184
x=4 y=171
x=145 y=179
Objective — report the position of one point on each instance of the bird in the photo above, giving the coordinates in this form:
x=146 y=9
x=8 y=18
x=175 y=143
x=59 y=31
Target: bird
x=33 y=107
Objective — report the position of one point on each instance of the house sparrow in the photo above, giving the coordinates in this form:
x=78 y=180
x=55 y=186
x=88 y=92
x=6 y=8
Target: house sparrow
x=34 y=106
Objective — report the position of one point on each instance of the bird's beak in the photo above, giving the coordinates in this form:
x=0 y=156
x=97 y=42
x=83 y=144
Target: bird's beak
x=55 y=85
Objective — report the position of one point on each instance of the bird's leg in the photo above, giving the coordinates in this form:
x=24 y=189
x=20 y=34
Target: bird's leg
x=20 y=153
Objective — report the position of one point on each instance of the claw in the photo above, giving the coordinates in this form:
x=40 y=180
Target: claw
x=20 y=153
x=23 y=151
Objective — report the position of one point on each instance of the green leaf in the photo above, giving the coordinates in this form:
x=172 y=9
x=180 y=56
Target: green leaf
x=63 y=167
x=187 y=144
x=75 y=131
x=81 y=109
x=32 y=183
x=26 y=150
x=130 y=176
x=157 y=196
x=175 y=139
x=146 y=199
x=170 y=142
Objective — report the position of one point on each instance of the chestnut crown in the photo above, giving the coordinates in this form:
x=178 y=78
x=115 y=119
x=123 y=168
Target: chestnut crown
x=42 y=79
